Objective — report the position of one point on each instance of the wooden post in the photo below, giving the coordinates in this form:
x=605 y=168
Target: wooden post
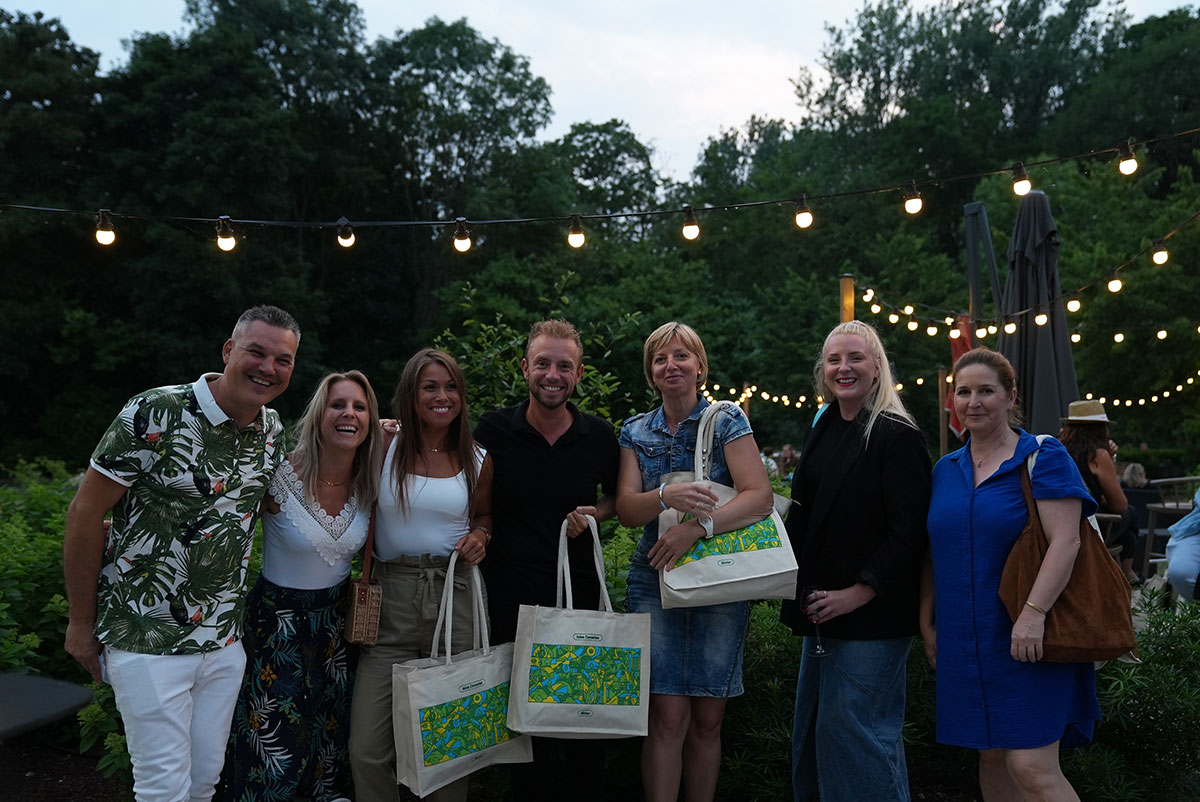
x=943 y=418
x=846 y=282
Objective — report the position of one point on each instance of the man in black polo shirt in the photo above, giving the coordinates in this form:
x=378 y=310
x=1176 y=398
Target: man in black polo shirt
x=550 y=458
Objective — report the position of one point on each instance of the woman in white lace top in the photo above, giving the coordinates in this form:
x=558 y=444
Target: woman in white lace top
x=291 y=725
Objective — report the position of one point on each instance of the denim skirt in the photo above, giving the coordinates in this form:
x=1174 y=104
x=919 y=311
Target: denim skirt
x=694 y=651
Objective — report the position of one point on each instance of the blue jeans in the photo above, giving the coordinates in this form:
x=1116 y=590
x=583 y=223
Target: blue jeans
x=846 y=735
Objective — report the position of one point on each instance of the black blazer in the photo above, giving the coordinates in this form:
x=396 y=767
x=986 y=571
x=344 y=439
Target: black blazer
x=867 y=524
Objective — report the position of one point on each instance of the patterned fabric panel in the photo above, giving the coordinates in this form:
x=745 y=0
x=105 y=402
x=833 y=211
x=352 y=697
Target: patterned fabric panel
x=756 y=537
x=585 y=675
x=464 y=726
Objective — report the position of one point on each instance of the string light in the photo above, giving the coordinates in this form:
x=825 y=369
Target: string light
x=1118 y=337
x=462 y=237
x=1075 y=336
x=876 y=309
x=931 y=331
x=991 y=329
x=1114 y=283
x=804 y=215
x=868 y=295
x=1020 y=180
x=1128 y=164
x=1073 y=304
x=981 y=332
x=226 y=241
x=1161 y=334
x=1041 y=318
x=913 y=325
x=104 y=228
x=1158 y=253
x=912 y=198
x=908 y=309
x=949 y=320
x=1010 y=327
x=575 y=237
x=893 y=318
x=691 y=229
x=955 y=334
x=345 y=233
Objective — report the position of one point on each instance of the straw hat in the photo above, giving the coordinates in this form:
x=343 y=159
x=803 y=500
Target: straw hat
x=1086 y=412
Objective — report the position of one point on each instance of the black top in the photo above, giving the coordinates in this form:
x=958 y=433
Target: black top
x=863 y=522
x=536 y=484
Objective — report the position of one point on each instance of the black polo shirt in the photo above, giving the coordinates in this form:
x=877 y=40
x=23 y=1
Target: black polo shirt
x=536 y=484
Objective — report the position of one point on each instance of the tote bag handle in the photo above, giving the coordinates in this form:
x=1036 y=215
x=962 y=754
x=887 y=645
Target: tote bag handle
x=564 y=568
x=446 y=612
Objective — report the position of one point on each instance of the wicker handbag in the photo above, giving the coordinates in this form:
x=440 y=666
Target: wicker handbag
x=366 y=599
x=1091 y=618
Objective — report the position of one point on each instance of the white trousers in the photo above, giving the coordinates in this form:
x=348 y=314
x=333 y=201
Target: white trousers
x=177 y=710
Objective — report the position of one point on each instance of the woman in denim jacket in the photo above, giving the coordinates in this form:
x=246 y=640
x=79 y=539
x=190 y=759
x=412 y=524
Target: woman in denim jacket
x=696 y=652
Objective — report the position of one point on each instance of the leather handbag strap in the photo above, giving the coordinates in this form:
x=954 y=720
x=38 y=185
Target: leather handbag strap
x=370 y=546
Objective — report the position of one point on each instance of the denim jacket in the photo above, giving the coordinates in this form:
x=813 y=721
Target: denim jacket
x=659 y=452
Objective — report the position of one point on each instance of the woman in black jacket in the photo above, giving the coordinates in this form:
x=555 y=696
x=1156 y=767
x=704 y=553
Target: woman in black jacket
x=860 y=495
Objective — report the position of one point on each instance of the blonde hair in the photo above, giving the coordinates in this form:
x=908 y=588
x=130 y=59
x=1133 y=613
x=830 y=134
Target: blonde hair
x=883 y=398
x=367 y=458
x=658 y=340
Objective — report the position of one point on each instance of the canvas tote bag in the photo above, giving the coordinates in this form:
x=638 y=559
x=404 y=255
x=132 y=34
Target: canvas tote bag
x=580 y=673
x=753 y=562
x=450 y=713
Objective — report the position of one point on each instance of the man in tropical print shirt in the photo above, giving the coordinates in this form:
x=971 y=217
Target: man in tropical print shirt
x=156 y=606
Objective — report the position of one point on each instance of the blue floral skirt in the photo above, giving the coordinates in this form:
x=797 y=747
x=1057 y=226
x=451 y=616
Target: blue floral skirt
x=291 y=725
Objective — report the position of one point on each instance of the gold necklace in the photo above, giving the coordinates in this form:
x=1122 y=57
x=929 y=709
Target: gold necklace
x=990 y=452
x=334 y=484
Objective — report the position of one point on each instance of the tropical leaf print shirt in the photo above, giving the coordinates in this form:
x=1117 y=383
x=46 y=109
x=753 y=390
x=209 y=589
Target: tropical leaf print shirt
x=173 y=577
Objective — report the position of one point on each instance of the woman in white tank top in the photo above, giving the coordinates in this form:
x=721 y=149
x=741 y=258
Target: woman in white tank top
x=435 y=497
x=290 y=730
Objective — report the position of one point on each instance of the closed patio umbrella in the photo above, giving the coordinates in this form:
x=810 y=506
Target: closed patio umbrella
x=1041 y=355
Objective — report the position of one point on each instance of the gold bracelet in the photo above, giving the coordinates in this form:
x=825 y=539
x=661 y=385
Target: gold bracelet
x=1034 y=606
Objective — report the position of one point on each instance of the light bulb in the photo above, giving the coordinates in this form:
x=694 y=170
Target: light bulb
x=1115 y=284
x=1075 y=337
x=576 y=237
x=1010 y=327
x=981 y=332
x=1041 y=318
x=893 y=318
x=955 y=334
x=226 y=241
x=1118 y=337
x=920 y=381
x=949 y=320
x=345 y=233
x=1162 y=334
x=1073 y=305
x=1021 y=183
x=868 y=295
x=908 y=309
x=876 y=309
x=804 y=215
x=899 y=386
x=104 y=230
x=912 y=198
x=912 y=325
x=462 y=237
x=992 y=328
x=1158 y=253
x=691 y=229
x=1128 y=164
x=931 y=331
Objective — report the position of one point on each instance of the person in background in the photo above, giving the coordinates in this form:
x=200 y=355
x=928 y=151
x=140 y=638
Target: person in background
x=860 y=495
x=435 y=496
x=787 y=461
x=1135 y=475
x=551 y=462
x=155 y=605
x=696 y=652
x=1085 y=436
x=292 y=721
x=994 y=692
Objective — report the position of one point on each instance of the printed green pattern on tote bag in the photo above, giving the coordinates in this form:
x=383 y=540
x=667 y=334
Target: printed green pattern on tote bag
x=756 y=537
x=464 y=726
x=585 y=675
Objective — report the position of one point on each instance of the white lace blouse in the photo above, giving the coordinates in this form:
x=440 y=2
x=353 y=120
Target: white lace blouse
x=305 y=547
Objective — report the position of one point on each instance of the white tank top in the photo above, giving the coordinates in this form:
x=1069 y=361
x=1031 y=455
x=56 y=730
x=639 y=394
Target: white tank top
x=437 y=516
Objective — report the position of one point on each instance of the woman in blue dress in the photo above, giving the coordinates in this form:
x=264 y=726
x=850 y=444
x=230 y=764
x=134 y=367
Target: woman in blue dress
x=696 y=652
x=994 y=692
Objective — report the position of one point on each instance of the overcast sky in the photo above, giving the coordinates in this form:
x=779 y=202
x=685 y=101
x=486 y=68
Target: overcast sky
x=677 y=72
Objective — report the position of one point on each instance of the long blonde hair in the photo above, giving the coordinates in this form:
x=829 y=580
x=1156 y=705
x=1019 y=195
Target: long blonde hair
x=883 y=398
x=404 y=407
x=367 y=458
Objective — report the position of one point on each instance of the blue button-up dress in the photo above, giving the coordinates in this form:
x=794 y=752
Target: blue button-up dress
x=985 y=698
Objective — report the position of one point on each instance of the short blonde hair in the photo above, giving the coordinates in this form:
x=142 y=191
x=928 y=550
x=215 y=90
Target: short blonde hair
x=663 y=335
